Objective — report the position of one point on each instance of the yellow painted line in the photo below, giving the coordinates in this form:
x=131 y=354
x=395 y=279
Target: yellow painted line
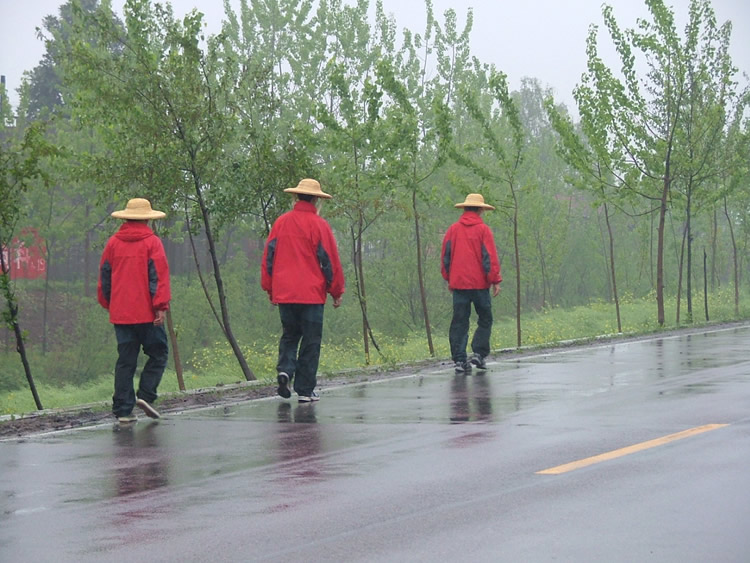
x=629 y=450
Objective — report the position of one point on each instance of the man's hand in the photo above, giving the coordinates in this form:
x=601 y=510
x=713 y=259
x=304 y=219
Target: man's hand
x=160 y=316
x=495 y=289
x=337 y=302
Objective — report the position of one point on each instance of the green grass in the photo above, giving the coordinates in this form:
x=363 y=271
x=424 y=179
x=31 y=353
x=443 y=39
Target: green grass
x=216 y=365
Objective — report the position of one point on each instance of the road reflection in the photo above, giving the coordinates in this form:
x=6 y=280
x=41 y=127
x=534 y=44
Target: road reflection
x=299 y=442
x=140 y=462
x=471 y=402
x=140 y=472
x=470 y=399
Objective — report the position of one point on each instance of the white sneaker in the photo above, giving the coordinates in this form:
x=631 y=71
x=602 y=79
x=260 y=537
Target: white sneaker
x=146 y=407
x=312 y=397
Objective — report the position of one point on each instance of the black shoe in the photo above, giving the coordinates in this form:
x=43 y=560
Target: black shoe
x=478 y=361
x=462 y=367
x=283 y=389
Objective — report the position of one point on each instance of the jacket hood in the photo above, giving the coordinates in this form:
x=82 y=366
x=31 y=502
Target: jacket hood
x=469 y=218
x=132 y=231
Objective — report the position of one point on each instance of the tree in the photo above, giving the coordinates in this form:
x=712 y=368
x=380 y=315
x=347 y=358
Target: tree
x=596 y=163
x=355 y=132
x=416 y=157
x=734 y=175
x=19 y=164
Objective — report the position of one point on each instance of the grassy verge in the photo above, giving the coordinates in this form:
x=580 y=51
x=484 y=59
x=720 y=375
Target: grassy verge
x=216 y=366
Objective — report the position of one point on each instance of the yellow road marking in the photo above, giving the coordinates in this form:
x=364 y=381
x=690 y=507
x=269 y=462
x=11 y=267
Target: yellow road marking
x=629 y=450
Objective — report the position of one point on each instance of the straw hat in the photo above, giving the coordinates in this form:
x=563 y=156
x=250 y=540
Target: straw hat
x=308 y=186
x=474 y=200
x=138 y=208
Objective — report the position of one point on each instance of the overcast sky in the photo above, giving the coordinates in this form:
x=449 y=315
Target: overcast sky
x=543 y=39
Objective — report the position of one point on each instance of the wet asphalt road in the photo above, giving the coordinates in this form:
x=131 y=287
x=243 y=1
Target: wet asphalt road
x=432 y=467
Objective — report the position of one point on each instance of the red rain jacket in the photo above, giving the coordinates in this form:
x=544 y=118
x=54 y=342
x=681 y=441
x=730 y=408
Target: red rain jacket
x=469 y=259
x=301 y=260
x=134 y=275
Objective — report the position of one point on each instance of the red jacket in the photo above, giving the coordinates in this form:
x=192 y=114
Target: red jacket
x=469 y=259
x=134 y=275
x=301 y=260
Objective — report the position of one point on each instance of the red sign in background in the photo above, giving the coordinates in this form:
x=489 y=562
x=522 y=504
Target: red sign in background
x=26 y=258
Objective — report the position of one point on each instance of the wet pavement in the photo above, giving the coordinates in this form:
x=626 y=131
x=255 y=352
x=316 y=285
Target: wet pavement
x=430 y=467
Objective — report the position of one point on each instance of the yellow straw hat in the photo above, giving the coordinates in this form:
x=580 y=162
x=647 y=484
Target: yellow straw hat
x=308 y=186
x=139 y=208
x=474 y=200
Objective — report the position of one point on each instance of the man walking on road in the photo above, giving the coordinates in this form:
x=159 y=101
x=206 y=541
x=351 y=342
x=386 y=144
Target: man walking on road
x=300 y=267
x=470 y=265
x=134 y=288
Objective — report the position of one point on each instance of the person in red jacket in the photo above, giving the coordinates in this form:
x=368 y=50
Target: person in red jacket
x=134 y=287
x=300 y=267
x=470 y=265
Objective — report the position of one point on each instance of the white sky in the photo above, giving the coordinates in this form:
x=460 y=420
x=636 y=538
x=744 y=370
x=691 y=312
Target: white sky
x=543 y=39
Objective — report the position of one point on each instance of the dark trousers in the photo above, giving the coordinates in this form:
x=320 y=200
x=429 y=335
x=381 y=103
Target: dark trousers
x=458 y=334
x=299 y=347
x=130 y=339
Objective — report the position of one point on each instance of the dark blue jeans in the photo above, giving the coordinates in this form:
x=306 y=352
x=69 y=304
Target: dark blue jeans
x=299 y=347
x=458 y=334
x=130 y=339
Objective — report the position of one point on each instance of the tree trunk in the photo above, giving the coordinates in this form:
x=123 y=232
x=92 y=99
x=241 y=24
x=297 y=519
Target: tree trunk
x=679 y=275
x=543 y=266
x=87 y=257
x=422 y=291
x=518 y=266
x=605 y=255
x=705 y=283
x=359 y=272
x=249 y=375
x=201 y=279
x=21 y=348
x=175 y=350
x=660 y=252
x=12 y=319
x=362 y=291
x=734 y=262
x=689 y=281
x=714 y=236
x=45 y=299
x=612 y=268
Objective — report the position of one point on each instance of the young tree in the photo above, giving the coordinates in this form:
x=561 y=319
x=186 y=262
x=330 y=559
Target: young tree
x=591 y=152
x=356 y=131
x=415 y=155
x=734 y=177
x=19 y=164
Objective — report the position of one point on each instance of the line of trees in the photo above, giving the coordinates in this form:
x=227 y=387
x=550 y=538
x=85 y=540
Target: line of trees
x=398 y=128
